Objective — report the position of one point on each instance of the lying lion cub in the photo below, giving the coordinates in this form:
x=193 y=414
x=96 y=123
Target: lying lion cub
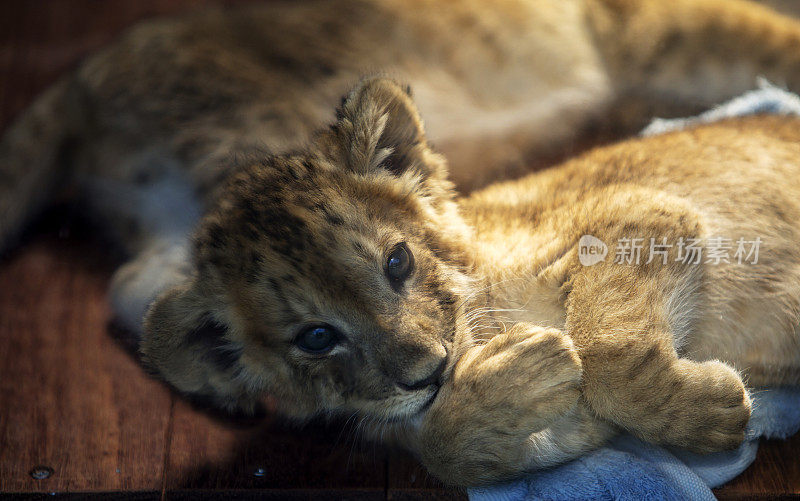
x=348 y=278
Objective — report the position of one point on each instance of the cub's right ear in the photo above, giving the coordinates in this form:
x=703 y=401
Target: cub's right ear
x=379 y=127
x=191 y=350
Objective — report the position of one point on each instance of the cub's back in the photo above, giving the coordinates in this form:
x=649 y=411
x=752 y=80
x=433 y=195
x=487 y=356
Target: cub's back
x=732 y=170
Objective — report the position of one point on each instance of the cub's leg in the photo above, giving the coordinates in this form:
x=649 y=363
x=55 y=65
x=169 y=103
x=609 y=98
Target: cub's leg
x=698 y=52
x=160 y=265
x=511 y=405
x=618 y=317
x=149 y=207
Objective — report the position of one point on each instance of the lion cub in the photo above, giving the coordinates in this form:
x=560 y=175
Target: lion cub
x=349 y=278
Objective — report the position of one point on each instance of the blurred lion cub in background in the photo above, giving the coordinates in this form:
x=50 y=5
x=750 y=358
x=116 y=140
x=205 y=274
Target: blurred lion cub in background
x=337 y=270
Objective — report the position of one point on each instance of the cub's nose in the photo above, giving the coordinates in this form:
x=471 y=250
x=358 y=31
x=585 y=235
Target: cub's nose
x=431 y=378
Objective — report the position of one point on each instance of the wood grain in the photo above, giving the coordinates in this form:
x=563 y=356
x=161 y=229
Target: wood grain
x=408 y=480
x=208 y=453
x=71 y=398
x=775 y=473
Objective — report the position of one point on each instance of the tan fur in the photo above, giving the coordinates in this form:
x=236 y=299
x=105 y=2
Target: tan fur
x=653 y=348
x=542 y=359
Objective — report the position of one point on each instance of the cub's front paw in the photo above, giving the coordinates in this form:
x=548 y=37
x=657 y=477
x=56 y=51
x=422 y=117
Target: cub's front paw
x=533 y=370
x=713 y=408
x=500 y=393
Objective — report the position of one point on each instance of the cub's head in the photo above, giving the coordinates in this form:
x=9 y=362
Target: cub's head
x=333 y=279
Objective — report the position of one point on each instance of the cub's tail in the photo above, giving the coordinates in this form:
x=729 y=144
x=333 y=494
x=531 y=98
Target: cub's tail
x=31 y=156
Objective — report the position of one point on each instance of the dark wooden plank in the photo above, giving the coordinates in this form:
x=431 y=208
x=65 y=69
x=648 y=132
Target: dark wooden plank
x=279 y=495
x=426 y=495
x=84 y=496
x=71 y=398
x=775 y=472
x=209 y=453
x=409 y=480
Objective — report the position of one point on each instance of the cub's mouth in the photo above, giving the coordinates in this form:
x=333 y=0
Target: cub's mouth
x=455 y=352
x=422 y=406
x=441 y=381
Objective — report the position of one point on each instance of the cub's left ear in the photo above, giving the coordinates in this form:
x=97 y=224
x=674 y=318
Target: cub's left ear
x=379 y=127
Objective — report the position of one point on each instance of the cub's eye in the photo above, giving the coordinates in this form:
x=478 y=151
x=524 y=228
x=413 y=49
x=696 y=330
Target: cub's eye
x=318 y=339
x=399 y=263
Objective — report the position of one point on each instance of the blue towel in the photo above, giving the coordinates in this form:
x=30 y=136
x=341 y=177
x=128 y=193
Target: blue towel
x=766 y=99
x=629 y=469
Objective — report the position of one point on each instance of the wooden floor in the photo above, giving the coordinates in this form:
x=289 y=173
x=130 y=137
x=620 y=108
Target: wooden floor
x=76 y=408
